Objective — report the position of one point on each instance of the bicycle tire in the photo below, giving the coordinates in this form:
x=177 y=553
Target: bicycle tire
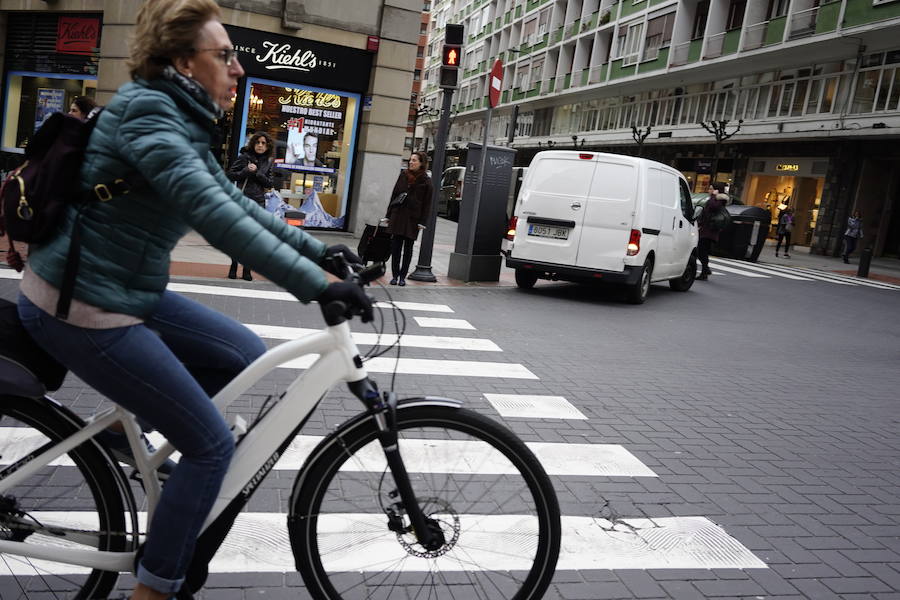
x=329 y=496
x=64 y=495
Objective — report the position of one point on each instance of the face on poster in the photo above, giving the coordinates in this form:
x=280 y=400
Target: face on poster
x=314 y=121
x=49 y=101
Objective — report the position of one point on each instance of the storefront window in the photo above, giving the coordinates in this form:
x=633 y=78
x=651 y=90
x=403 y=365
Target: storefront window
x=32 y=97
x=314 y=132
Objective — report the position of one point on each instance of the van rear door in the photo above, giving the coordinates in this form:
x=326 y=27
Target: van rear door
x=551 y=208
x=609 y=215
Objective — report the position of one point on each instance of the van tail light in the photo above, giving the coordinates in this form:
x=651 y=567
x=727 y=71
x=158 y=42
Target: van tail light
x=511 y=230
x=585 y=156
x=634 y=242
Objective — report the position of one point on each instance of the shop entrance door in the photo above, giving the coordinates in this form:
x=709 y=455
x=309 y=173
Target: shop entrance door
x=775 y=193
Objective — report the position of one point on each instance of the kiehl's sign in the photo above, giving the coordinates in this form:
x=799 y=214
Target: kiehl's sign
x=77 y=35
x=294 y=60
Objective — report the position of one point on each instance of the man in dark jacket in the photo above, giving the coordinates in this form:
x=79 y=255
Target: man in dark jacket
x=718 y=199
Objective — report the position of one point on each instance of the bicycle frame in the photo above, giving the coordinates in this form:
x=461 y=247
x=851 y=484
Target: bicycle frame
x=256 y=453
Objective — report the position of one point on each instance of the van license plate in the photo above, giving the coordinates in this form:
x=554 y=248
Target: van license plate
x=559 y=233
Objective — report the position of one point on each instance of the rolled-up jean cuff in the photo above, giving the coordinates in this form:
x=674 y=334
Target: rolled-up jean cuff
x=163 y=586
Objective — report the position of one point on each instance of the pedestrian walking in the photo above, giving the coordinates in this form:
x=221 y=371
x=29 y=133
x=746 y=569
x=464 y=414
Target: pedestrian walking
x=852 y=235
x=158 y=354
x=783 y=232
x=407 y=212
x=252 y=172
x=81 y=107
x=709 y=234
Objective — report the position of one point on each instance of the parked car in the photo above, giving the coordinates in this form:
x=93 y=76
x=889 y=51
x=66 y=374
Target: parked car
x=589 y=216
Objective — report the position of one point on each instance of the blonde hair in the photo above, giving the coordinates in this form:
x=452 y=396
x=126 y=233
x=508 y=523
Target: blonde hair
x=166 y=29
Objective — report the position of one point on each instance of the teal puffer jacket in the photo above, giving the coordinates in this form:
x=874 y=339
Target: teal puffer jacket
x=158 y=130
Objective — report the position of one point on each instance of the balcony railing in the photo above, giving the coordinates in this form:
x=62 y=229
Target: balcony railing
x=755 y=36
x=714 y=45
x=680 y=54
x=803 y=23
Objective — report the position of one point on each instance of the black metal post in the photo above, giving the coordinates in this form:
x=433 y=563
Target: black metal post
x=423 y=267
x=865 y=259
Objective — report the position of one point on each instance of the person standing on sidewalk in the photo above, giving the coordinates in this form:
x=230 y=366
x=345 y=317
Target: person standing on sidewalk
x=852 y=235
x=717 y=201
x=407 y=213
x=252 y=172
x=158 y=354
x=783 y=232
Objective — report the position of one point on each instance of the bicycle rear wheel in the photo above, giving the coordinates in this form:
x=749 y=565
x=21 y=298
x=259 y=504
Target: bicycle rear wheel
x=74 y=502
x=492 y=500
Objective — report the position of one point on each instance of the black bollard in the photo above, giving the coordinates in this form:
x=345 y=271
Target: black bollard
x=865 y=257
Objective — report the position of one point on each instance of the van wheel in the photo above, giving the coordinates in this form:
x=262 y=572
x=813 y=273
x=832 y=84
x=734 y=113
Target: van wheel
x=684 y=283
x=637 y=293
x=526 y=279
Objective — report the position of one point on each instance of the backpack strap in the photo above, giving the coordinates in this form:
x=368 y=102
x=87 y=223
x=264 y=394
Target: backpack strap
x=67 y=288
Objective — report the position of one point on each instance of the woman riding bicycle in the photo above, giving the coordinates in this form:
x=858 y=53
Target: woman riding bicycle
x=159 y=355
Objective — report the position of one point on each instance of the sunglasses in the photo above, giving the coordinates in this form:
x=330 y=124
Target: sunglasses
x=226 y=55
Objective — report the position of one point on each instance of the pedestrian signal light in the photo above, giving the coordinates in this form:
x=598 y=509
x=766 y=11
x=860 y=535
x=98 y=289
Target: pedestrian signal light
x=451 y=56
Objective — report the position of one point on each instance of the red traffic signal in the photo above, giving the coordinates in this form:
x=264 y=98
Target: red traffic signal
x=450 y=55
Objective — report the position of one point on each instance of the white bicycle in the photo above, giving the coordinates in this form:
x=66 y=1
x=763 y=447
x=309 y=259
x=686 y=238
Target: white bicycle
x=417 y=495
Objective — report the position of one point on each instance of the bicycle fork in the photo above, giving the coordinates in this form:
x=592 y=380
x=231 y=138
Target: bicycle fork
x=427 y=531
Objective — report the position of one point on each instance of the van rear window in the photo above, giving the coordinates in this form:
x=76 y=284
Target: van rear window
x=614 y=181
x=562 y=176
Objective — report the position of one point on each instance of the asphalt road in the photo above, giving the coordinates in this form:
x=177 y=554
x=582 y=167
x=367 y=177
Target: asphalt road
x=744 y=434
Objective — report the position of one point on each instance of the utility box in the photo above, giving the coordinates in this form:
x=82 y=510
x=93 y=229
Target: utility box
x=482 y=221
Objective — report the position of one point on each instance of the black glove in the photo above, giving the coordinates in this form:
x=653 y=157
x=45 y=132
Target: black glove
x=350 y=294
x=334 y=267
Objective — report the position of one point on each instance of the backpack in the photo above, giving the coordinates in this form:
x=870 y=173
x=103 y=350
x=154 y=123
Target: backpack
x=33 y=197
x=719 y=220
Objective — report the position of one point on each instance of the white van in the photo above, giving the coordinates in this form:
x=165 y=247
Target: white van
x=589 y=216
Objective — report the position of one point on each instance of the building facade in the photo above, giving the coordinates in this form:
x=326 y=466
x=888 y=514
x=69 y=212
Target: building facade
x=328 y=81
x=806 y=94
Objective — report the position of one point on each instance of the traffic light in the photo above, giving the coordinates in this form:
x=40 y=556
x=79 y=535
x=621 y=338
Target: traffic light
x=451 y=56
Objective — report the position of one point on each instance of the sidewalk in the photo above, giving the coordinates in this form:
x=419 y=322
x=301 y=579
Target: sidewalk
x=193 y=257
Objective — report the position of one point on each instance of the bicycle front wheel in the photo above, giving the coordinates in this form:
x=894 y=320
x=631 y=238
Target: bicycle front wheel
x=74 y=502
x=479 y=484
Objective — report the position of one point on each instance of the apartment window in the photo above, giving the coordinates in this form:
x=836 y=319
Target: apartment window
x=659 y=34
x=522 y=78
x=529 y=31
x=543 y=21
x=629 y=42
x=777 y=8
x=417 y=75
x=736 y=14
x=699 y=26
x=537 y=70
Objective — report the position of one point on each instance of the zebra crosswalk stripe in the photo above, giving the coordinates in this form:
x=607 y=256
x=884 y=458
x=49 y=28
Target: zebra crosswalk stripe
x=278 y=332
x=720 y=267
x=836 y=277
x=755 y=268
x=258 y=543
x=427 y=366
x=789 y=272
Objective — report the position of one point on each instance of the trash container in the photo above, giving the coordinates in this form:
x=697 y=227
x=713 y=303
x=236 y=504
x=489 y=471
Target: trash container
x=746 y=236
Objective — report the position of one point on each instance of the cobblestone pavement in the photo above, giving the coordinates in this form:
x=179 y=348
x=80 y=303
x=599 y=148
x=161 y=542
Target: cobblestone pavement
x=766 y=406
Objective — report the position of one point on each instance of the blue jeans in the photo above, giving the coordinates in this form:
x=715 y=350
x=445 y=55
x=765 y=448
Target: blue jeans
x=164 y=371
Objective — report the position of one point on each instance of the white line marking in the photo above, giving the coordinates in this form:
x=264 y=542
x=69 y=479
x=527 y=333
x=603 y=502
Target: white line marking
x=420 y=456
x=426 y=366
x=837 y=277
x=533 y=407
x=240 y=292
x=793 y=273
x=9 y=274
x=277 y=332
x=443 y=323
x=751 y=267
x=258 y=543
x=721 y=267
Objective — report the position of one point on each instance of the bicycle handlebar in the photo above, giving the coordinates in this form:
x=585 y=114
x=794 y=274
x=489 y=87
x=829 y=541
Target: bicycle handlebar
x=336 y=312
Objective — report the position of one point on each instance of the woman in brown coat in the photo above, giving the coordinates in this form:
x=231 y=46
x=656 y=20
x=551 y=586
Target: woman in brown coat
x=407 y=218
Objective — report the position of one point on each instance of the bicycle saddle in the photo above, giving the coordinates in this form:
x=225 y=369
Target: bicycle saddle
x=17 y=380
